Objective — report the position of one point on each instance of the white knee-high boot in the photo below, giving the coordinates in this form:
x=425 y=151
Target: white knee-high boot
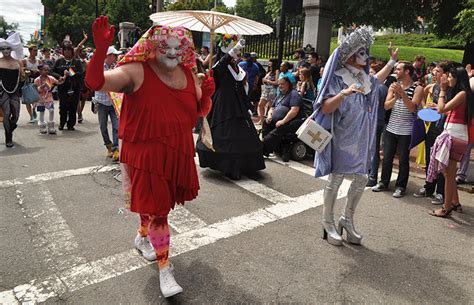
x=330 y=196
x=346 y=221
x=42 y=123
x=51 y=129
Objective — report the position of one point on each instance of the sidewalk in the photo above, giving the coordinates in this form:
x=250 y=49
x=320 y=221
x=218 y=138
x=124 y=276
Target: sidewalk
x=418 y=171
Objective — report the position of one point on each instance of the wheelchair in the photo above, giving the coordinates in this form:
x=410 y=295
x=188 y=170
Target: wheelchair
x=292 y=147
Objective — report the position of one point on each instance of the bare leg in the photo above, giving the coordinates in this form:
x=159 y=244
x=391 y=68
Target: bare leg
x=30 y=111
x=450 y=191
x=80 y=108
x=261 y=109
x=450 y=186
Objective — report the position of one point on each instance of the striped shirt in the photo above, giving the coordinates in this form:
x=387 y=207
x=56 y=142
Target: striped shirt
x=401 y=119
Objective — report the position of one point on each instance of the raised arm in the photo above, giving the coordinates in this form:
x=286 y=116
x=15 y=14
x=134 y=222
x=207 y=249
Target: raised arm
x=103 y=36
x=80 y=45
x=446 y=106
x=383 y=74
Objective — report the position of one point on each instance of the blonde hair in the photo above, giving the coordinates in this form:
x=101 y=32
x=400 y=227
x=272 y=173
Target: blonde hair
x=307 y=75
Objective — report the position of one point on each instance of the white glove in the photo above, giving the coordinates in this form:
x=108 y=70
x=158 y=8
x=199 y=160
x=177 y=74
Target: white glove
x=240 y=44
x=236 y=49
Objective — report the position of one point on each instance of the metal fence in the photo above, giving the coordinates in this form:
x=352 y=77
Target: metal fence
x=266 y=46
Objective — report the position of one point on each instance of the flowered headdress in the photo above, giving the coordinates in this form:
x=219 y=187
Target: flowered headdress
x=228 y=41
x=155 y=40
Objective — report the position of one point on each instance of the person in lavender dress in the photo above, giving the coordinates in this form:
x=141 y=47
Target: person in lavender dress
x=347 y=106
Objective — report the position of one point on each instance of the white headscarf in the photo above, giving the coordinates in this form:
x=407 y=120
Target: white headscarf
x=14 y=42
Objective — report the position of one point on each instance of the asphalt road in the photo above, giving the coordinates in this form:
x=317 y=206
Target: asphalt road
x=66 y=238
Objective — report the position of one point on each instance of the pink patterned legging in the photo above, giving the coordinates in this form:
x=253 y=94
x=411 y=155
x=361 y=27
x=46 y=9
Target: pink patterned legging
x=156 y=227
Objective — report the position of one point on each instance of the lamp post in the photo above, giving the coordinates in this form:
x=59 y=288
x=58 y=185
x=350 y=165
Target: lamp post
x=281 y=30
x=96 y=8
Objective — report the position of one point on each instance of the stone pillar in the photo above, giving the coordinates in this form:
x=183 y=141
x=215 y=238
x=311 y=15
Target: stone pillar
x=318 y=25
x=124 y=34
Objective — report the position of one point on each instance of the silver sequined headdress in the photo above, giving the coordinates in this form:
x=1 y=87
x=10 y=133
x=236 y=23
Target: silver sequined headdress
x=360 y=38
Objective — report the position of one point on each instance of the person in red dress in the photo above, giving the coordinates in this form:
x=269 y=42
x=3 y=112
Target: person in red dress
x=161 y=103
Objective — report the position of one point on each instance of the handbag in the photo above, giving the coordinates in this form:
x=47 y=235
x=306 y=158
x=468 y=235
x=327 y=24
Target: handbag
x=470 y=131
x=206 y=136
x=313 y=134
x=29 y=93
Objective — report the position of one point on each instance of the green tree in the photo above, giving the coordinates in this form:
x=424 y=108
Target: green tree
x=72 y=17
x=253 y=9
x=69 y=17
x=273 y=8
x=200 y=5
x=182 y=5
x=443 y=17
x=465 y=24
x=464 y=28
x=381 y=14
x=136 y=11
x=6 y=27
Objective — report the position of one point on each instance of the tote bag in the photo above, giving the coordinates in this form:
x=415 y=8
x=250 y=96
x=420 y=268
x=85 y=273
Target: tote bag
x=29 y=93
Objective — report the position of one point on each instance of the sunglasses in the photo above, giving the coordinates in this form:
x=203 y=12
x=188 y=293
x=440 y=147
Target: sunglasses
x=5 y=49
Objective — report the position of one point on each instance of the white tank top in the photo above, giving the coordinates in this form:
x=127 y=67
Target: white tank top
x=32 y=66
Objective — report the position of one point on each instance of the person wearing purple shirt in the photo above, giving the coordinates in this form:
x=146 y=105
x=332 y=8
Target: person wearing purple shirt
x=283 y=117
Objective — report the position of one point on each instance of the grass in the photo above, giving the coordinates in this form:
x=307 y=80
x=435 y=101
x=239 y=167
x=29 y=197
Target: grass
x=409 y=53
x=379 y=50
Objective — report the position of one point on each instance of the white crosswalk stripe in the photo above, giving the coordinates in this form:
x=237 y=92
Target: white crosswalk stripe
x=193 y=233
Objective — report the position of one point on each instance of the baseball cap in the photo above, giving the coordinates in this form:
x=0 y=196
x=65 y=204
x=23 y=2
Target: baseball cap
x=253 y=55
x=112 y=50
x=246 y=55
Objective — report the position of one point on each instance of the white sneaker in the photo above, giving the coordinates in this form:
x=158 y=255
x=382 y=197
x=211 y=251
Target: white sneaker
x=146 y=249
x=168 y=284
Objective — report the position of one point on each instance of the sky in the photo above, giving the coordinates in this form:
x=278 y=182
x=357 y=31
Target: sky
x=27 y=14
x=229 y=2
x=24 y=12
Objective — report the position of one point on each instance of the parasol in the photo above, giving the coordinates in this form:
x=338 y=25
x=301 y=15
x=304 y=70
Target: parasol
x=211 y=21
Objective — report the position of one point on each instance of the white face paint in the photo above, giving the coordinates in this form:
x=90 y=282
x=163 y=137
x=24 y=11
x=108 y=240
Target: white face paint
x=6 y=51
x=361 y=57
x=171 y=57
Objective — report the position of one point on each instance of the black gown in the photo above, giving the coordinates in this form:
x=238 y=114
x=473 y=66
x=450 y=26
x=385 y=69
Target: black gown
x=237 y=146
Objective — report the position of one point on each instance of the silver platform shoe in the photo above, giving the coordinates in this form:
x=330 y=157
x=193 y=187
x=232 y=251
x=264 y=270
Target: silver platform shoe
x=330 y=196
x=346 y=221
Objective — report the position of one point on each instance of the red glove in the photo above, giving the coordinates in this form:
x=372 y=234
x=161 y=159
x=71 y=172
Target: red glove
x=103 y=36
x=208 y=87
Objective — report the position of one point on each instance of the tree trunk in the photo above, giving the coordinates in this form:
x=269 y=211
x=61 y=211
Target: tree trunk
x=468 y=54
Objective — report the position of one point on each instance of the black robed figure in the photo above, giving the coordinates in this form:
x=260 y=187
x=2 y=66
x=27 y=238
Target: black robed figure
x=238 y=150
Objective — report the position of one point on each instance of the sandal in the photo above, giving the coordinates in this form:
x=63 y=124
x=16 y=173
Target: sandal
x=457 y=207
x=442 y=212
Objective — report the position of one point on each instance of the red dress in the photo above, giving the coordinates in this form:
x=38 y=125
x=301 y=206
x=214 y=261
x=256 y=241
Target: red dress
x=156 y=125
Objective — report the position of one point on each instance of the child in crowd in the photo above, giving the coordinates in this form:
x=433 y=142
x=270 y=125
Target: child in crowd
x=45 y=84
